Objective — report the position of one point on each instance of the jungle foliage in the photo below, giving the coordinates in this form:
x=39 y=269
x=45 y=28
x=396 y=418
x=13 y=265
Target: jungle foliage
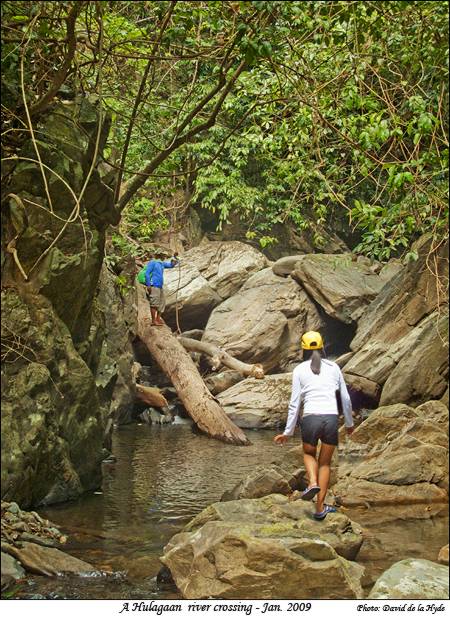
x=270 y=112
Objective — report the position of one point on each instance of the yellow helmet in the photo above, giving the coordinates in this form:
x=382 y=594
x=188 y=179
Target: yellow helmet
x=312 y=340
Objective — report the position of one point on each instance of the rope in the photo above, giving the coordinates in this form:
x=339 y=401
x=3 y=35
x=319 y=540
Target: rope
x=178 y=330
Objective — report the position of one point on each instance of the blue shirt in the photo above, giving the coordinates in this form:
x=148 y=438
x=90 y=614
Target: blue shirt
x=154 y=272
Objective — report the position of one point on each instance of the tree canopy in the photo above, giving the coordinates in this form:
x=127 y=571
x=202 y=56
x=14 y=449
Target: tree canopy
x=308 y=113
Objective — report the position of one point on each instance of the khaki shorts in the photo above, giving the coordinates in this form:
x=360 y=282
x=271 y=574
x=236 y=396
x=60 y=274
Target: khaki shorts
x=157 y=299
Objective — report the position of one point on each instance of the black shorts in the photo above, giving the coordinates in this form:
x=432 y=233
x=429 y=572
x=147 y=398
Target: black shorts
x=320 y=426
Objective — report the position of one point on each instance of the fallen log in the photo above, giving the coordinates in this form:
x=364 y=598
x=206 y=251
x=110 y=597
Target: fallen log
x=176 y=363
x=219 y=356
x=151 y=396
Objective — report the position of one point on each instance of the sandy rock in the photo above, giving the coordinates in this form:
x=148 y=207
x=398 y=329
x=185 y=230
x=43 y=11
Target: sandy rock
x=265 y=548
x=412 y=579
x=361 y=386
x=391 y=269
x=397 y=455
x=264 y=481
x=443 y=555
x=48 y=561
x=358 y=492
x=226 y=265
x=422 y=374
x=285 y=265
x=258 y=403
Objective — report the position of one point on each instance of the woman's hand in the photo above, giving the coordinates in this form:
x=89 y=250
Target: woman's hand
x=281 y=439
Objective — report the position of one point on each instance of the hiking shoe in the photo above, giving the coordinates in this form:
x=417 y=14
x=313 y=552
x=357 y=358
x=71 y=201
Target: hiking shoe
x=310 y=492
x=319 y=516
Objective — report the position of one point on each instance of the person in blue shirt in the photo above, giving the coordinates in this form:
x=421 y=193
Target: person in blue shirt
x=154 y=281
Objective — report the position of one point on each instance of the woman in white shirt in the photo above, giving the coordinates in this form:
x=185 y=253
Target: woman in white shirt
x=316 y=382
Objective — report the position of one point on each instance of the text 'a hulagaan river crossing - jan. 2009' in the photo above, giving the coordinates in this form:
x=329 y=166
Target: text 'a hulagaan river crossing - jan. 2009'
x=160 y=608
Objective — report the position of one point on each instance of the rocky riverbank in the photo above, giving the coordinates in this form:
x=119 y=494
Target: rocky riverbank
x=32 y=545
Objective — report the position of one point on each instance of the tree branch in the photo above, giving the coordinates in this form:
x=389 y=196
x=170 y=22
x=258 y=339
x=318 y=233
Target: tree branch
x=139 y=180
x=61 y=74
x=138 y=100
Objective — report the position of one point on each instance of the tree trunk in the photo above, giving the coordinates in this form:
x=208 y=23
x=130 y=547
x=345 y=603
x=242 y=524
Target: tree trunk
x=192 y=391
x=218 y=357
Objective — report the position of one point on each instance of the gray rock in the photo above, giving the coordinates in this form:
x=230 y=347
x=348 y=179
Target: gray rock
x=262 y=322
x=13 y=508
x=258 y=403
x=391 y=269
x=412 y=579
x=11 y=567
x=400 y=342
x=344 y=288
x=208 y=274
x=285 y=265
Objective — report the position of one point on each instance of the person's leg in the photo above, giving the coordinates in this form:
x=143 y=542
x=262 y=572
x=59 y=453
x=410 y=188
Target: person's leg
x=325 y=456
x=310 y=462
x=161 y=307
x=154 y=303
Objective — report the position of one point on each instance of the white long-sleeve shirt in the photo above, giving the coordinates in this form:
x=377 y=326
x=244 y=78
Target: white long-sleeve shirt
x=318 y=393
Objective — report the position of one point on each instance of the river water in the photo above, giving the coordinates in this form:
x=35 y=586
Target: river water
x=163 y=476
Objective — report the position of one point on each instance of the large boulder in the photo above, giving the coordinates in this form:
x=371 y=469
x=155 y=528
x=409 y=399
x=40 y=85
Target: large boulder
x=265 y=548
x=262 y=322
x=399 y=455
x=258 y=403
x=401 y=340
x=207 y=275
x=421 y=374
x=115 y=378
x=52 y=420
x=412 y=579
x=54 y=414
x=344 y=288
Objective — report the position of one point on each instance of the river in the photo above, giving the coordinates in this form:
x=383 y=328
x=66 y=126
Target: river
x=166 y=474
